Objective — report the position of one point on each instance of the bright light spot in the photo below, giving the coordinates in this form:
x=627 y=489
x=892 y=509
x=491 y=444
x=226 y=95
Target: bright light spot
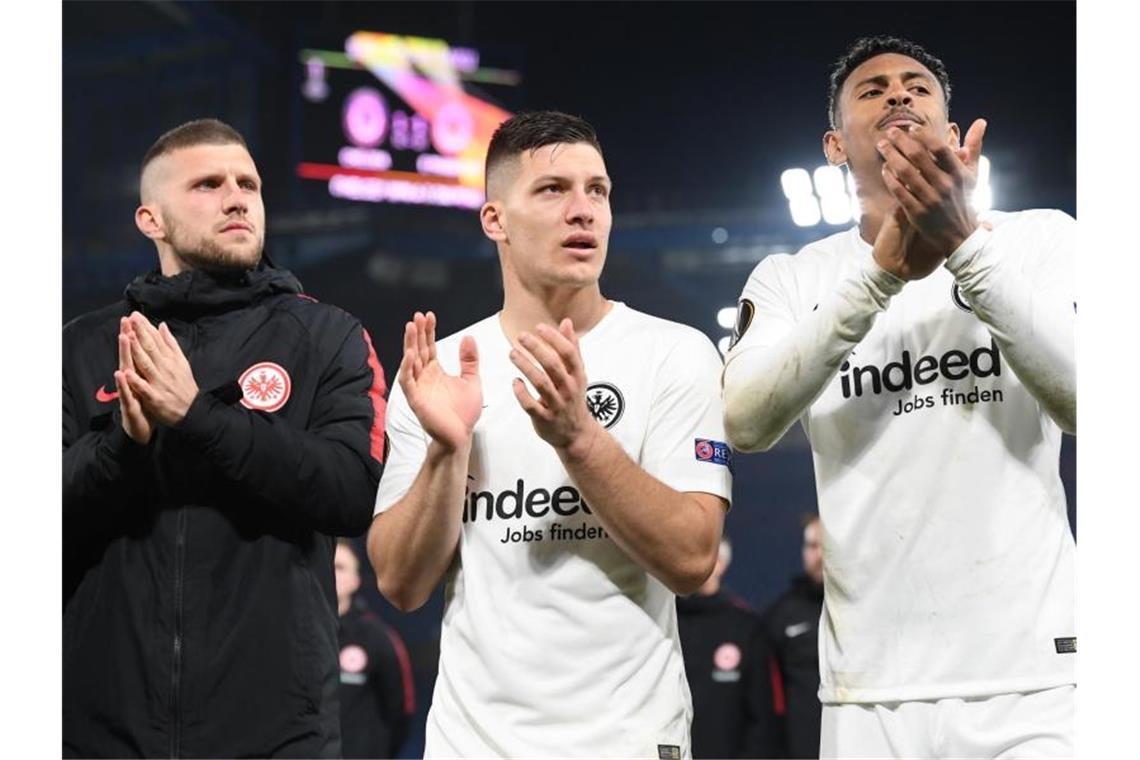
x=722 y=344
x=836 y=208
x=805 y=210
x=726 y=317
x=983 y=196
x=719 y=235
x=828 y=181
x=796 y=183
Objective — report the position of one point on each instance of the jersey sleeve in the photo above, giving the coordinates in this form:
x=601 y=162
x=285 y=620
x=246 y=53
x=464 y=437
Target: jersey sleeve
x=781 y=364
x=407 y=448
x=1027 y=302
x=685 y=444
x=764 y=313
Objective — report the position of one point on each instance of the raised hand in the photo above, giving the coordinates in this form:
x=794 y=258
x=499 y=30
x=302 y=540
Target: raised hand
x=559 y=414
x=135 y=422
x=447 y=406
x=931 y=182
x=902 y=251
x=161 y=378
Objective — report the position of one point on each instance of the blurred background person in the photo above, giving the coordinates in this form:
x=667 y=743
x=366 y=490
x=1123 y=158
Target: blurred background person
x=727 y=663
x=377 y=695
x=791 y=625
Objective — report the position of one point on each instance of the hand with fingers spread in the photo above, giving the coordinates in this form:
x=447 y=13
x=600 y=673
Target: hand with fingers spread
x=931 y=183
x=559 y=414
x=161 y=378
x=135 y=422
x=447 y=406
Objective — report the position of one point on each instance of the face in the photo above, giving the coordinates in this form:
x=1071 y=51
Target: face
x=347 y=573
x=202 y=206
x=884 y=91
x=551 y=216
x=813 y=552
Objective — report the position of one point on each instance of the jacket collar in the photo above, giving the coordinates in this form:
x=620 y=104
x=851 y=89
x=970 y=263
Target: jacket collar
x=199 y=293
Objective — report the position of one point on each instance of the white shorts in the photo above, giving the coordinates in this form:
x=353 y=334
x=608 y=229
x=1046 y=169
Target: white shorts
x=1036 y=724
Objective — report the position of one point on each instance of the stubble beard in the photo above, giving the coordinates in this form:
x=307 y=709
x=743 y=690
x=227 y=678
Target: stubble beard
x=210 y=256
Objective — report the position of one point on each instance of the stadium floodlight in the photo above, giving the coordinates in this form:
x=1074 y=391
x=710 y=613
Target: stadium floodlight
x=856 y=209
x=726 y=317
x=805 y=210
x=796 y=183
x=983 y=197
x=836 y=208
x=722 y=344
x=719 y=235
x=828 y=180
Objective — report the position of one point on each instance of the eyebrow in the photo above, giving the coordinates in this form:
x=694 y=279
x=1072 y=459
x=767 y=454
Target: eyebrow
x=563 y=178
x=882 y=80
x=220 y=175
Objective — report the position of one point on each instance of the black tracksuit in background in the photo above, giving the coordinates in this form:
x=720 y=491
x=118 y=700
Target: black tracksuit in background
x=727 y=664
x=377 y=695
x=199 y=605
x=792 y=626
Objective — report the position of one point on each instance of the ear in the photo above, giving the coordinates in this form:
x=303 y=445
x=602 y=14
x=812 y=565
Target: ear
x=953 y=135
x=833 y=147
x=149 y=221
x=491 y=217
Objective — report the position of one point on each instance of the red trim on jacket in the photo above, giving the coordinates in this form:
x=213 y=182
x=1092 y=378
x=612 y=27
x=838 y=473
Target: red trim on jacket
x=379 y=405
x=405 y=670
x=778 y=705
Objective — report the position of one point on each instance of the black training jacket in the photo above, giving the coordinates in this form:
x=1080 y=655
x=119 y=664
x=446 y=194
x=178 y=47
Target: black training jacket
x=792 y=625
x=199 y=611
x=727 y=665
x=377 y=694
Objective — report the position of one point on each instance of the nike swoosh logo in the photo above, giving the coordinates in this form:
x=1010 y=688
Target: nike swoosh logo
x=103 y=397
x=795 y=630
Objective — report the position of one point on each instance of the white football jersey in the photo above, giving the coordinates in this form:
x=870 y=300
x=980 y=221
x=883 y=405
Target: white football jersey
x=948 y=557
x=554 y=642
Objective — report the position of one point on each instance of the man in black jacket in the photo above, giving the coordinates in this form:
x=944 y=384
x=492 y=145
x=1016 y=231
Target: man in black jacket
x=727 y=664
x=219 y=428
x=377 y=695
x=792 y=624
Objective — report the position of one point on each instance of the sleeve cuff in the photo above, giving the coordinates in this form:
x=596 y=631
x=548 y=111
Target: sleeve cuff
x=878 y=282
x=965 y=253
x=197 y=424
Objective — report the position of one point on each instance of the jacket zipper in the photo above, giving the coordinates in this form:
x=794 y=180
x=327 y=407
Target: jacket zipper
x=176 y=665
x=179 y=582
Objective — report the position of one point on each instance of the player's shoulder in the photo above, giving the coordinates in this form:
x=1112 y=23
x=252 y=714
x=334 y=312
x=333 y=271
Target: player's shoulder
x=100 y=320
x=817 y=256
x=1035 y=219
x=317 y=317
x=661 y=331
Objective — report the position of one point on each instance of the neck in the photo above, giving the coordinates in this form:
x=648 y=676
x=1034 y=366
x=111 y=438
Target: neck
x=524 y=308
x=876 y=202
x=343 y=604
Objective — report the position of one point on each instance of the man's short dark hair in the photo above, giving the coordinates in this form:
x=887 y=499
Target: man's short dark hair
x=536 y=129
x=197 y=132
x=865 y=48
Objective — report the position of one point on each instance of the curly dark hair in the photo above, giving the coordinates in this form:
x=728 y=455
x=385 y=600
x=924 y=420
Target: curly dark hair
x=865 y=48
x=532 y=130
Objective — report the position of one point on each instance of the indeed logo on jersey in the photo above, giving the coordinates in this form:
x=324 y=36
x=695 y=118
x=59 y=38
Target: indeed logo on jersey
x=906 y=373
x=520 y=502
